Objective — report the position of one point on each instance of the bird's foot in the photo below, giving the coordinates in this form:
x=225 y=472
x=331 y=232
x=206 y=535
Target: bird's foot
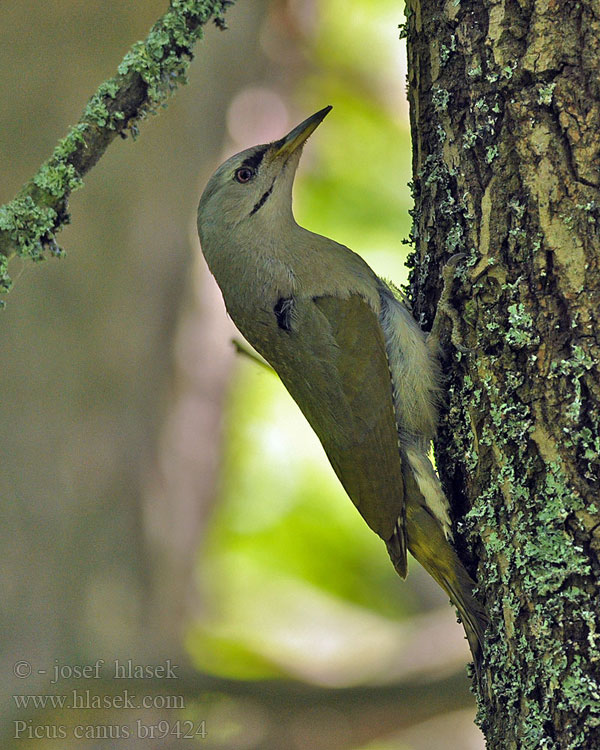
x=446 y=310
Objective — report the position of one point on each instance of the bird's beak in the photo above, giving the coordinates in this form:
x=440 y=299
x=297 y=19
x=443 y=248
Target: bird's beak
x=297 y=137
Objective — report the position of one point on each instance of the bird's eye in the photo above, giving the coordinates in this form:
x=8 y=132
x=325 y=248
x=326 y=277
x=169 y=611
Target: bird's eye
x=244 y=174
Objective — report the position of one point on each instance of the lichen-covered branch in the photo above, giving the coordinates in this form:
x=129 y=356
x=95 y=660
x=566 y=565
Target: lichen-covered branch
x=145 y=79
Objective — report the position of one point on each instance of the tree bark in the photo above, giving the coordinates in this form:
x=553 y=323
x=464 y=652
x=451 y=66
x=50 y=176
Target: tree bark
x=505 y=116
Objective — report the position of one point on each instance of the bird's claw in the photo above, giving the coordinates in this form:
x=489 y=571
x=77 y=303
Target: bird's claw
x=445 y=309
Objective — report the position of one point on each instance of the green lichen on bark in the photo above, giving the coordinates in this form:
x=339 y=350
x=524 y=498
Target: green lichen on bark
x=146 y=77
x=505 y=110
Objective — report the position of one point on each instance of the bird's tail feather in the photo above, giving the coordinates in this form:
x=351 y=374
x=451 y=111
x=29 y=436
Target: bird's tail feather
x=447 y=569
x=428 y=543
x=471 y=612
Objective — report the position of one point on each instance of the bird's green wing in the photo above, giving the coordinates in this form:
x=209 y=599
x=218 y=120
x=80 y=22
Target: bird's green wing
x=333 y=362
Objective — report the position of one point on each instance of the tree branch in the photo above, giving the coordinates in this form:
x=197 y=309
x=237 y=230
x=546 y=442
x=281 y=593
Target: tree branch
x=146 y=77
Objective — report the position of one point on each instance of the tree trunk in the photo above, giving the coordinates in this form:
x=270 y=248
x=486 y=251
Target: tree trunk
x=505 y=117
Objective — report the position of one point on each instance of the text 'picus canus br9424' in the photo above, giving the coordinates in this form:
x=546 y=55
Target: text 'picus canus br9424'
x=346 y=348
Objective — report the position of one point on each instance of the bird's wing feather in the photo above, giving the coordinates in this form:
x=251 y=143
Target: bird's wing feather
x=333 y=362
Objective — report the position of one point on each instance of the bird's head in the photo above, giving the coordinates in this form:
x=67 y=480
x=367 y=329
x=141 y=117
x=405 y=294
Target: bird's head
x=255 y=185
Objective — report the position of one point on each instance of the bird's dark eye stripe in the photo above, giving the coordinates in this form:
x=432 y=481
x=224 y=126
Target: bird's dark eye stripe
x=253 y=162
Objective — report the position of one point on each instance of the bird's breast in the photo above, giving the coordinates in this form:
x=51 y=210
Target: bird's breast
x=264 y=312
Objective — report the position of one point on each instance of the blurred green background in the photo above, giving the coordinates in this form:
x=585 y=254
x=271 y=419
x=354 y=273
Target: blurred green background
x=163 y=499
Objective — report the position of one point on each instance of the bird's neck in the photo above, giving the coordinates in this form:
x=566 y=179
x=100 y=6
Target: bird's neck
x=259 y=260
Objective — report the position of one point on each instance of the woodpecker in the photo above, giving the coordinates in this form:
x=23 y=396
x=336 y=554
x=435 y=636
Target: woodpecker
x=347 y=349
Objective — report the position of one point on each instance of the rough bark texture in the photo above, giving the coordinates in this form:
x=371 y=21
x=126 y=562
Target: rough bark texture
x=505 y=113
